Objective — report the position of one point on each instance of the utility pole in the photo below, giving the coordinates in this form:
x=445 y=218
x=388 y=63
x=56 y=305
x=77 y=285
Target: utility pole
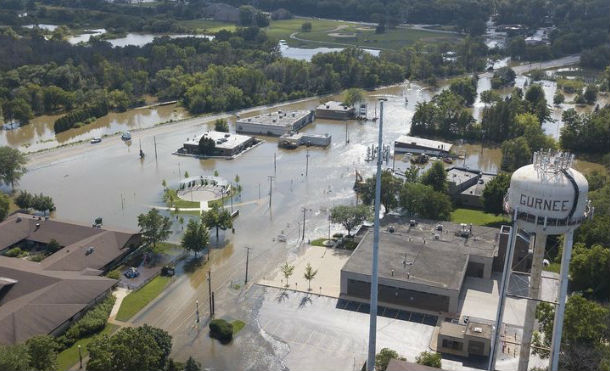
x=370 y=364
x=329 y=227
x=274 y=163
x=247 y=260
x=155 y=140
x=197 y=309
x=210 y=293
x=213 y=310
x=307 y=162
x=270 y=177
x=179 y=172
x=122 y=203
x=346 y=136
x=80 y=356
x=304 y=212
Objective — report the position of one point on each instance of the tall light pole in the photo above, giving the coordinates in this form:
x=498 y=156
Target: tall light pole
x=247 y=260
x=197 y=309
x=370 y=364
x=304 y=212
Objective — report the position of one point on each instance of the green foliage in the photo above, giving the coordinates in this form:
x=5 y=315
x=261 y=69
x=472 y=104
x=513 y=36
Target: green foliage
x=91 y=323
x=570 y=86
x=306 y=27
x=154 y=227
x=17 y=109
x=349 y=216
x=15 y=252
x=390 y=185
x=12 y=165
x=382 y=359
x=586 y=133
x=353 y=96
x=429 y=359
x=14 y=357
x=558 y=98
x=131 y=348
x=136 y=300
x=53 y=246
x=5 y=203
x=465 y=88
x=192 y=365
x=591 y=94
x=422 y=200
x=81 y=115
x=309 y=275
x=596 y=180
x=287 y=271
x=24 y=200
x=494 y=192
x=196 y=237
x=221 y=330
x=490 y=96
x=436 y=177
x=42 y=203
x=503 y=77
x=444 y=116
x=515 y=153
x=221 y=125
x=589 y=271
x=43 y=352
x=218 y=218
x=207 y=146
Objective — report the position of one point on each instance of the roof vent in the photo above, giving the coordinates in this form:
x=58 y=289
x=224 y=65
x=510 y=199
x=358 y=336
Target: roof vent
x=437 y=236
x=18 y=219
x=89 y=250
x=478 y=330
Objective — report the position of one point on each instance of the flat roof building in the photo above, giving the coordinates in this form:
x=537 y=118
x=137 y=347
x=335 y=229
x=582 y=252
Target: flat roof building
x=275 y=123
x=226 y=144
x=421 y=266
x=294 y=140
x=466 y=185
x=465 y=339
x=334 y=110
x=406 y=143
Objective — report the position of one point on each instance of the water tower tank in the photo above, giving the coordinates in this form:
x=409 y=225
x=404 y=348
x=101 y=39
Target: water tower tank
x=549 y=196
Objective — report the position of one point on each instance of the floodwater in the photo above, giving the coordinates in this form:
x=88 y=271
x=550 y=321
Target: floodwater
x=141 y=39
x=305 y=54
x=39 y=133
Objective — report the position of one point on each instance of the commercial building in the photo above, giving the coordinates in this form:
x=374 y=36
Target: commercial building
x=294 y=140
x=335 y=111
x=226 y=144
x=466 y=185
x=46 y=297
x=401 y=365
x=472 y=338
x=275 y=123
x=406 y=143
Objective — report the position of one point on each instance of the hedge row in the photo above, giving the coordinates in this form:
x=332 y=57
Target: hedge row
x=91 y=323
x=80 y=115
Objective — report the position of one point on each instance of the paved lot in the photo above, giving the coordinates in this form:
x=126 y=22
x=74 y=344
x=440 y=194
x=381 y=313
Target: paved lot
x=327 y=261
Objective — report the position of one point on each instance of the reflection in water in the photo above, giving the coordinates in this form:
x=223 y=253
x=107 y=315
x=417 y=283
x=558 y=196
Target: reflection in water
x=305 y=54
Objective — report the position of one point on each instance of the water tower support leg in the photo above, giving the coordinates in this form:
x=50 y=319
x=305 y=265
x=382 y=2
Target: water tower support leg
x=534 y=293
x=561 y=302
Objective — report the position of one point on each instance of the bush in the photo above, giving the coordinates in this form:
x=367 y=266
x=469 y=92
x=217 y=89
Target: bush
x=114 y=274
x=80 y=117
x=37 y=258
x=14 y=252
x=221 y=330
x=91 y=323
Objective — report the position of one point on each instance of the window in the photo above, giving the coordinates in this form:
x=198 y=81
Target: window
x=451 y=344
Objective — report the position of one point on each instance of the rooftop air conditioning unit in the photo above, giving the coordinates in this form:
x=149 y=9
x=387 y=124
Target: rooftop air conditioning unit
x=89 y=250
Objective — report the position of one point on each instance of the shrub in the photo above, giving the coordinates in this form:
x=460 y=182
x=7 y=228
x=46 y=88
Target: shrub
x=37 y=258
x=14 y=252
x=114 y=274
x=221 y=330
x=91 y=323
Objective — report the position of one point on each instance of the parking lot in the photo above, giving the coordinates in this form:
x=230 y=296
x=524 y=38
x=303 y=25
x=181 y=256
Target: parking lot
x=391 y=313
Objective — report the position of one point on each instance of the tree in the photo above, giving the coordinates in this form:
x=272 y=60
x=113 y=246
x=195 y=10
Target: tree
x=558 y=98
x=596 y=180
x=412 y=174
x=589 y=271
x=12 y=166
x=218 y=218
x=17 y=109
x=130 y=349
x=465 y=88
x=207 y=145
x=192 y=365
x=309 y=275
x=24 y=200
x=504 y=76
x=490 y=96
x=53 y=245
x=436 y=177
x=154 y=227
x=42 y=203
x=591 y=94
x=43 y=352
x=353 y=96
x=221 y=125
x=429 y=359
x=196 y=237
x=14 y=357
x=420 y=199
x=390 y=185
x=349 y=216
x=494 y=192
x=306 y=27
x=515 y=153
x=287 y=271
x=382 y=359
x=4 y=206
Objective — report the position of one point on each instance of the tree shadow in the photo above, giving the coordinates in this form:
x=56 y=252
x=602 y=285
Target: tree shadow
x=282 y=296
x=191 y=265
x=304 y=301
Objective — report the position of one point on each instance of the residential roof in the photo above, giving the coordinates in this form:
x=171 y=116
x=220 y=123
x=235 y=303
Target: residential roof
x=40 y=301
x=400 y=365
x=423 y=142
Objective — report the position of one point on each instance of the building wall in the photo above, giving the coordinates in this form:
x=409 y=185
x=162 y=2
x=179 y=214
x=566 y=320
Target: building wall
x=485 y=264
x=335 y=114
x=449 y=345
x=254 y=128
x=404 y=147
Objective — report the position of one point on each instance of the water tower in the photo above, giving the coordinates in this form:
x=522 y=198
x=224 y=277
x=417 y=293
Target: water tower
x=545 y=198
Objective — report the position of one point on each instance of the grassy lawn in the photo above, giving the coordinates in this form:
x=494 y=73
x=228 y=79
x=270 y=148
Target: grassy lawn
x=318 y=242
x=185 y=204
x=207 y=25
x=69 y=357
x=137 y=300
x=477 y=217
x=237 y=326
x=357 y=35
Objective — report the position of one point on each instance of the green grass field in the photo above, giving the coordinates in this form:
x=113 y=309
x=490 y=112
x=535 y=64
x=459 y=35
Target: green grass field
x=477 y=217
x=237 y=326
x=69 y=357
x=134 y=302
x=320 y=35
x=185 y=204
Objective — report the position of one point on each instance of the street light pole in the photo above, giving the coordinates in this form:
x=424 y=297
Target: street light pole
x=80 y=356
x=307 y=162
x=197 y=309
x=304 y=211
x=247 y=260
x=370 y=364
x=210 y=293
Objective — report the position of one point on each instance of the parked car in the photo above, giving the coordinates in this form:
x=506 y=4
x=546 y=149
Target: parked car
x=132 y=272
x=168 y=270
x=96 y=140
